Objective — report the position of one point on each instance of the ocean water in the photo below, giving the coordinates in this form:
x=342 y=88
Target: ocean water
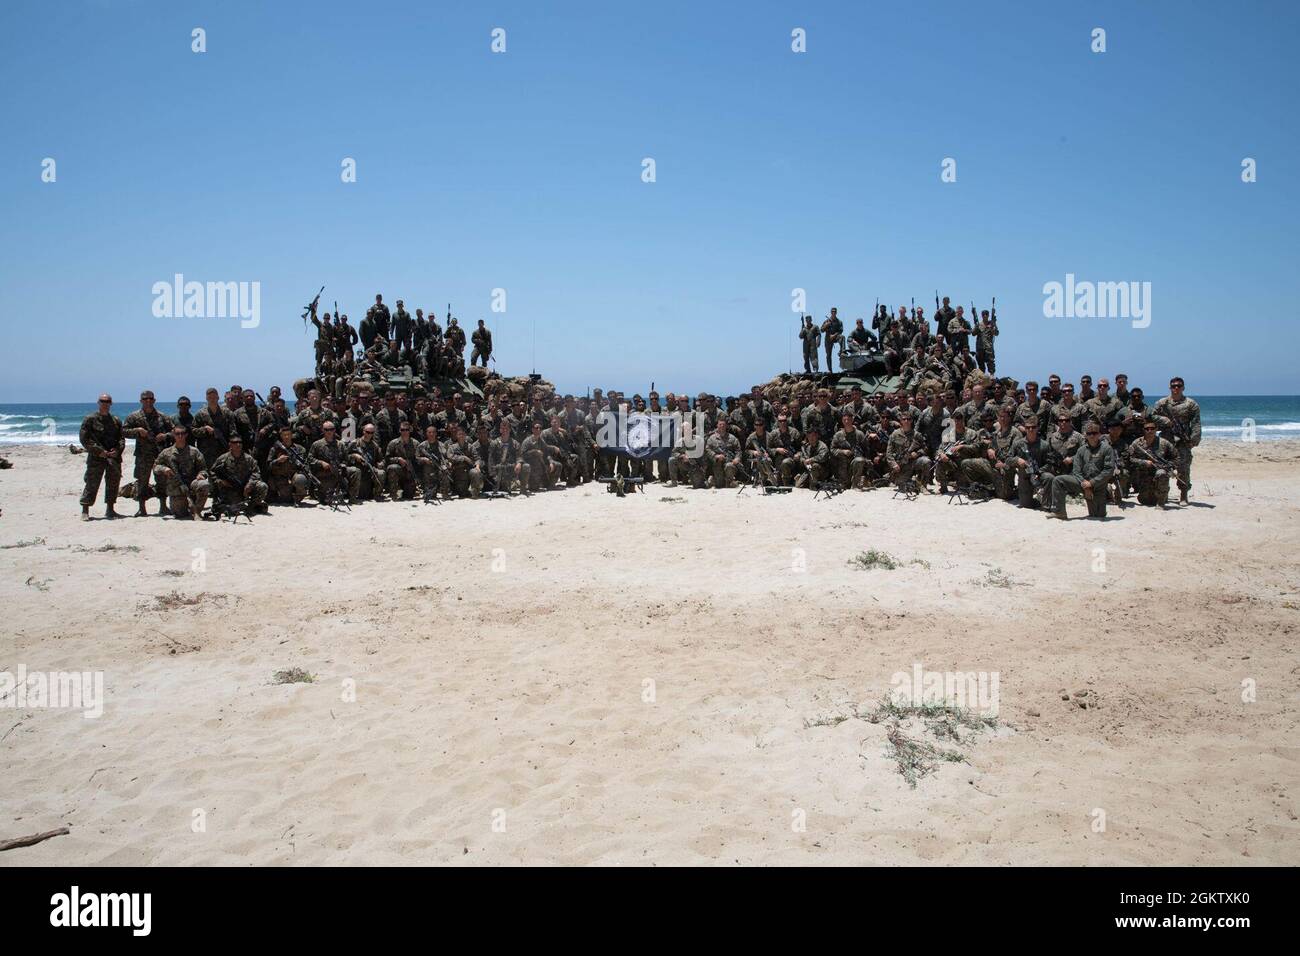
x=1223 y=417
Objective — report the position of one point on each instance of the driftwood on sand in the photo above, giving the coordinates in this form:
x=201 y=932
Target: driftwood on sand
x=32 y=839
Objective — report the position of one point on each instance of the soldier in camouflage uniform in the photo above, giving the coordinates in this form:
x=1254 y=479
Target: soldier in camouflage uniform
x=1115 y=437
x=1031 y=448
x=1149 y=460
x=379 y=318
x=994 y=468
x=403 y=328
x=367 y=456
x=1069 y=405
x=104 y=441
x=566 y=456
x=213 y=426
x=464 y=463
x=985 y=332
x=535 y=451
x=180 y=473
x=822 y=415
x=236 y=478
x=683 y=467
x=722 y=455
x=482 y=340
x=952 y=455
x=1064 y=442
x=832 y=334
x=849 y=453
x=1179 y=418
x=811 y=337
x=506 y=462
x=906 y=454
x=401 y=465
x=1094 y=464
x=329 y=460
x=152 y=431
x=288 y=481
x=1103 y=406
x=758 y=459
x=429 y=455
x=810 y=465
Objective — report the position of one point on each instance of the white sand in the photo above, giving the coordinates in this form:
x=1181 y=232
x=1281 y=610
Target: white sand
x=517 y=694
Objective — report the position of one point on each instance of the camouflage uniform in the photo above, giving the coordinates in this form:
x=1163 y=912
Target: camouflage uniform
x=985 y=333
x=899 y=450
x=811 y=336
x=963 y=448
x=147 y=449
x=849 y=457
x=482 y=340
x=401 y=467
x=811 y=464
x=1101 y=412
x=222 y=423
x=723 y=472
x=1040 y=453
x=1063 y=450
x=985 y=471
x=368 y=459
x=567 y=457
x=790 y=440
x=1188 y=414
x=186 y=487
x=1151 y=479
x=333 y=454
x=236 y=478
x=102 y=437
x=759 y=459
x=502 y=458
x=542 y=472
x=466 y=473
x=433 y=471
x=288 y=482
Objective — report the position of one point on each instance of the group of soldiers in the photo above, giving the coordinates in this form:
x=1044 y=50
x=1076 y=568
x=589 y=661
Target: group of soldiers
x=1034 y=446
x=909 y=347
x=391 y=341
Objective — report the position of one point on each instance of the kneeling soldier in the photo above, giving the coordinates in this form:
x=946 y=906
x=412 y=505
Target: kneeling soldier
x=402 y=463
x=328 y=459
x=466 y=477
x=811 y=464
x=905 y=454
x=237 y=477
x=285 y=463
x=506 y=462
x=1150 y=459
x=722 y=453
x=179 y=474
x=1031 y=449
x=1094 y=465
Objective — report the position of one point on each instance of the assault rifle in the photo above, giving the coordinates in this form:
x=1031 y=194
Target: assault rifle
x=310 y=308
x=299 y=461
x=763 y=466
x=1177 y=429
x=1033 y=471
x=1161 y=463
x=431 y=488
x=229 y=509
x=334 y=497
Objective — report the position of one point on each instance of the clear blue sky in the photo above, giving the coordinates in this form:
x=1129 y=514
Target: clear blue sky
x=775 y=170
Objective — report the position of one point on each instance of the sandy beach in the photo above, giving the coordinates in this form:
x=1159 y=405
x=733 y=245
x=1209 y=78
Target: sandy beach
x=678 y=677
